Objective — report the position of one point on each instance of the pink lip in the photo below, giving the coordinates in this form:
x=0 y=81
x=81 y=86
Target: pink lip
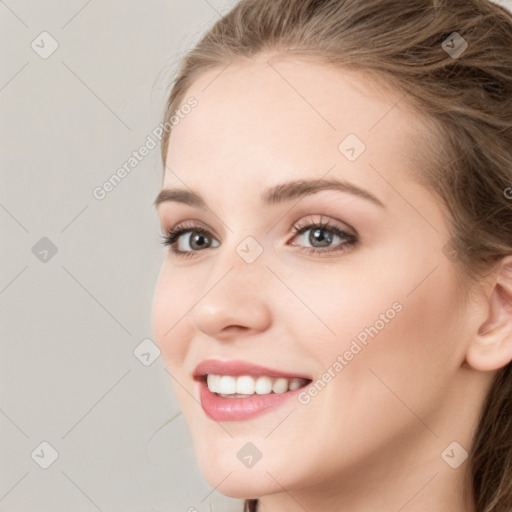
x=219 y=408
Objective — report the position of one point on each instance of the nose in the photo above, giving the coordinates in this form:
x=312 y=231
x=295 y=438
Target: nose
x=235 y=302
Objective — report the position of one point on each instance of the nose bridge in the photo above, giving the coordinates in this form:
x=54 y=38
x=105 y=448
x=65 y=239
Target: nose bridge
x=245 y=244
x=244 y=261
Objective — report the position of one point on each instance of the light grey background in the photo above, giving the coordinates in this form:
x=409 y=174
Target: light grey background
x=71 y=322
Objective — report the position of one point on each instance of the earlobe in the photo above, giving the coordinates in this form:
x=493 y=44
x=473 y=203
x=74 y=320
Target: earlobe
x=491 y=346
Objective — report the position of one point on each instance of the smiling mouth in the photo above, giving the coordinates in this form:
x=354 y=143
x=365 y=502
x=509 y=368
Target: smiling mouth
x=236 y=390
x=245 y=386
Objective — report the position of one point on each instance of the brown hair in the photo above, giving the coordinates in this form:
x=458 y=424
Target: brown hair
x=464 y=100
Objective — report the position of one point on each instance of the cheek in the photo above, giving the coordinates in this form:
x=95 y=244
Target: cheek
x=168 y=317
x=401 y=325
x=410 y=358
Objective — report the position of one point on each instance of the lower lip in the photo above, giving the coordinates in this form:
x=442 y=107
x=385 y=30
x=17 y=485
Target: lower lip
x=237 y=409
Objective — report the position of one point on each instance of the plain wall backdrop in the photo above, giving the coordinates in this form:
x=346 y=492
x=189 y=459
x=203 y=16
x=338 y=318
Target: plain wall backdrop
x=83 y=391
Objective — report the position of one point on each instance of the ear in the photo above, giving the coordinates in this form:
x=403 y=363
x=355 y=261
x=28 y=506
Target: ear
x=491 y=346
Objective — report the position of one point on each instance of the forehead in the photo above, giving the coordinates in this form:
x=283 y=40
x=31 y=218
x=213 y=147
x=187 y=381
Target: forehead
x=265 y=120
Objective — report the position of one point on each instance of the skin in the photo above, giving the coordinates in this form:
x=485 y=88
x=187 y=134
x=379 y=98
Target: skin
x=372 y=438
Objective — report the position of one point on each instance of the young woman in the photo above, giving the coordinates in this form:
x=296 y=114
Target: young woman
x=335 y=307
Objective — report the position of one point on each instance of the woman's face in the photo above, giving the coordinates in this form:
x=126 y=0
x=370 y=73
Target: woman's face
x=365 y=308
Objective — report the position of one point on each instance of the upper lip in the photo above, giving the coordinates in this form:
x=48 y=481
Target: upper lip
x=237 y=368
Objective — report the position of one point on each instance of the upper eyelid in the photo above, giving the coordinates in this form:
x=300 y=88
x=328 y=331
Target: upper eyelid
x=327 y=221
x=307 y=221
x=311 y=218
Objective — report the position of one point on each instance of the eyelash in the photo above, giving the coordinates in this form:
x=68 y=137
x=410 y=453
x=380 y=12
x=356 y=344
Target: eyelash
x=170 y=238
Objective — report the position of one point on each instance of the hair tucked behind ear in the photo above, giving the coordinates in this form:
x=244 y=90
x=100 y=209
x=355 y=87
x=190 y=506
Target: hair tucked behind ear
x=465 y=101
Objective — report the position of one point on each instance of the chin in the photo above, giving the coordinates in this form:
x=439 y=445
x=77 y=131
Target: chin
x=223 y=471
x=241 y=484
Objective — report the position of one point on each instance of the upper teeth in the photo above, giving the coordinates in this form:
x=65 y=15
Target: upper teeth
x=247 y=385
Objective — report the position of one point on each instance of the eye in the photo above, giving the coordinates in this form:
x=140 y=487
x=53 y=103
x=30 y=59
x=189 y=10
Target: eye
x=322 y=234
x=198 y=238
x=321 y=237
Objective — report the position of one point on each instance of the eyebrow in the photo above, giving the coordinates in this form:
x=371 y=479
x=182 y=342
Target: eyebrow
x=274 y=195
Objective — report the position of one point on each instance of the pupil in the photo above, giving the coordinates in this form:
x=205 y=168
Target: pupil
x=319 y=238
x=195 y=239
